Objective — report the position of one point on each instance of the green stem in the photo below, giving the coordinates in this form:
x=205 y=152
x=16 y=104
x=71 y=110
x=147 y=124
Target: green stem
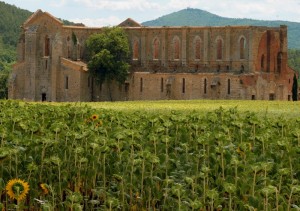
x=280 y=182
x=60 y=191
x=290 y=200
x=277 y=205
x=179 y=200
x=223 y=169
x=142 y=182
x=253 y=184
x=291 y=167
x=230 y=202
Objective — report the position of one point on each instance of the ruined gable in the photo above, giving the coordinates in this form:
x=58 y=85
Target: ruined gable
x=129 y=23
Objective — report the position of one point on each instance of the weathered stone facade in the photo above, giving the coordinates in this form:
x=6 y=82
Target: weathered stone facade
x=232 y=62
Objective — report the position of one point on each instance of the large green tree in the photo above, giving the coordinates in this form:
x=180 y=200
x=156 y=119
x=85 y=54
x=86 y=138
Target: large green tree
x=108 y=56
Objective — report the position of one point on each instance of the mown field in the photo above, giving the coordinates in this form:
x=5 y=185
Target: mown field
x=164 y=155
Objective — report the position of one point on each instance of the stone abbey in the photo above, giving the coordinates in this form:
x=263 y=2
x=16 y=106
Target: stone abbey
x=176 y=63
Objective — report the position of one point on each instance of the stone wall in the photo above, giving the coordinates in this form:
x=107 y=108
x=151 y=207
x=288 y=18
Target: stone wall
x=232 y=62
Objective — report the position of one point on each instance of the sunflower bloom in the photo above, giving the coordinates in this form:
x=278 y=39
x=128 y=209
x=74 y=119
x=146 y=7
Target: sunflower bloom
x=94 y=117
x=99 y=124
x=17 y=189
x=44 y=188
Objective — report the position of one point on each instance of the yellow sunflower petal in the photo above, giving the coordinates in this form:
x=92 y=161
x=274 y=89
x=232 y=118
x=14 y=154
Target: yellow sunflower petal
x=17 y=189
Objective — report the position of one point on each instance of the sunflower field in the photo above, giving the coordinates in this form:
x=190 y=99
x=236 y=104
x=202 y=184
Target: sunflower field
x=99 y=157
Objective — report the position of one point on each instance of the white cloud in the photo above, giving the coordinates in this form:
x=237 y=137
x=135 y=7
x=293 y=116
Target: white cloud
x=59 y=3
x=180 y=4
x=119 y=4
x=98 y=22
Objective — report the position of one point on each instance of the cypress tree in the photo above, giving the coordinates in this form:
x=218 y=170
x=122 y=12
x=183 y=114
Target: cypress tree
x=295 y=88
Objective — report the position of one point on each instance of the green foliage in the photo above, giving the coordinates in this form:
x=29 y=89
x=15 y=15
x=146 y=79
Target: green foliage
x=105 y=159
x=109 y=54
x=197 y=17
x=5 y=70
x=74 y=38
x=10 y=22
x=294 y=59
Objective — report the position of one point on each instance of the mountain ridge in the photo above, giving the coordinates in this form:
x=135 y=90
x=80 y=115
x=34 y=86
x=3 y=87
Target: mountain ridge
x=198 y=17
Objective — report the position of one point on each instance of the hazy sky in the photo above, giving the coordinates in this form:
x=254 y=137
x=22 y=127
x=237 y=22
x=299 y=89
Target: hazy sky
x=113 y=12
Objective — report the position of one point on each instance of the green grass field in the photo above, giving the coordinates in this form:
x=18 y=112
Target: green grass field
x=285 y=108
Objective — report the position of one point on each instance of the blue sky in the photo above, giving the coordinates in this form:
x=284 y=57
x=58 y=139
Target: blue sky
x=113 y=12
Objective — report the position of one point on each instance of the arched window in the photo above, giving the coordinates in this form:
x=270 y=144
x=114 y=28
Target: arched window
x=155 y=48
x=242 y=48
x=279 y=62
x=262 y=62
x=176 y=47
x=219 y=49
x=197 y=49
x=242 y=68
x=228 y=86
x=183 y=85
x=47 y=46
x=141 y=84
x=205 y=86
x=136 y=50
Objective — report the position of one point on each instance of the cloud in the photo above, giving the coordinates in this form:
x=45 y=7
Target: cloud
x=98 y=22
x=59 y=3
x=119 y=4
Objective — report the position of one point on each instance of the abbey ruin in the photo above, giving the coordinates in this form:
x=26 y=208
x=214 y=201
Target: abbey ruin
x=176 y=63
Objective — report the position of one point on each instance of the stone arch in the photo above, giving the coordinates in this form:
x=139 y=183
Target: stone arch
x=269 y=46
x=176 y=47
x=155 y=48
x=197 y=47
x=219 y=48
x=242 y=47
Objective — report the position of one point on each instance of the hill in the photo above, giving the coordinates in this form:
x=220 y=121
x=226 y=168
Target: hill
x=197 y=17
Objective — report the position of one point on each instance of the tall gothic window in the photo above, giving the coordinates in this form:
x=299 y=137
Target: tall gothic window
x=279 y=62
x=155 y=48
x=262 y=62
x=242 y=48
x=219 y=49
x=183 y=85
x=136 y=50
x=66 y=82
x=176 y=47
x=47 y=46
x=141 y=84
x=197 y=48
x=228 y=86
x=205 y=86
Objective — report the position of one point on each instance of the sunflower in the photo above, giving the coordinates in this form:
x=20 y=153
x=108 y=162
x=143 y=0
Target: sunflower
x=94 y=117
x=17 y=189
x=99 y=124
x=44 y=188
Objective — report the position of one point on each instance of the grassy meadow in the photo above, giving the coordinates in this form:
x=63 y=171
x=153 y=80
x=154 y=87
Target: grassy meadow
x=150 y=155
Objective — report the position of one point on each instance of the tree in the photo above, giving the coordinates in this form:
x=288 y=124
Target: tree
x=295 y=88
x=108 y=56
x=5 y=70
